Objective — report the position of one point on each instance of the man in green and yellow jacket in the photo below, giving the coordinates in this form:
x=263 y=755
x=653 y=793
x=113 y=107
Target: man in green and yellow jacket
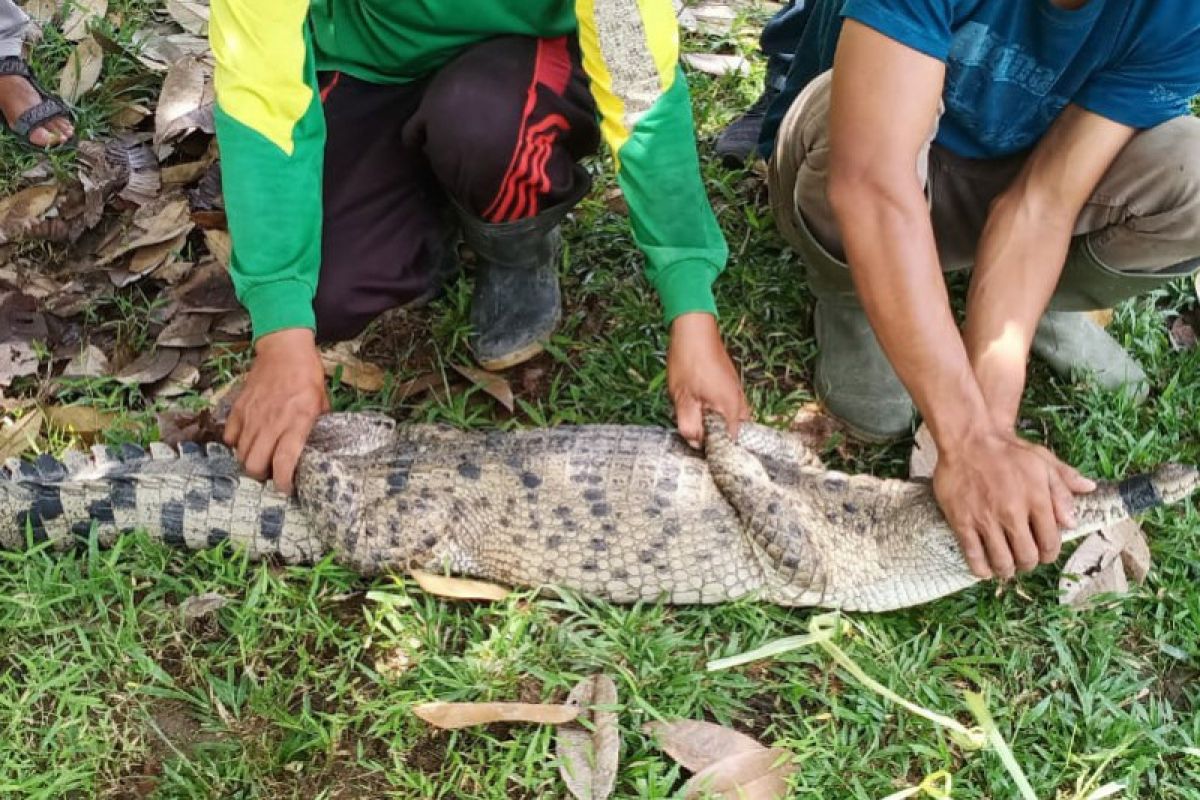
x=361 y=139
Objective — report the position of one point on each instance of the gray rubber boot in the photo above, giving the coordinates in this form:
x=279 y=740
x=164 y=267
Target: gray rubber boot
x=516 y=304
x=853 y=378
x=1070 y=341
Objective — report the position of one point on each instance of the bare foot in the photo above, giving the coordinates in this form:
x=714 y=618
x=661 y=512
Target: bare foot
x=17 y=96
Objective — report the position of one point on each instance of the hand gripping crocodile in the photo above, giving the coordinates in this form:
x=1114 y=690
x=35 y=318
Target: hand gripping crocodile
x=614 y=512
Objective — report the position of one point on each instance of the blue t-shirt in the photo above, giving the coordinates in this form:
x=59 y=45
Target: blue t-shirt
x=1012 y=66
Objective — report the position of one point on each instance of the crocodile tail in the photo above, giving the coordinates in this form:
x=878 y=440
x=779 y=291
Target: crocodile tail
x=191 y=497
x=1116 y=501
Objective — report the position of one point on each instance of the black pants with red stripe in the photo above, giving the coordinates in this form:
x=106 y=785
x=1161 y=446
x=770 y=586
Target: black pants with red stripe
x=499 y=131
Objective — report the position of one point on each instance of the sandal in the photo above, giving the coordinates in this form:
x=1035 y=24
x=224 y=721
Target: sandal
x=49 y=108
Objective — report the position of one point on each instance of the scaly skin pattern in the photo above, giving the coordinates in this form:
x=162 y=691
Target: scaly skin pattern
x=620 y=513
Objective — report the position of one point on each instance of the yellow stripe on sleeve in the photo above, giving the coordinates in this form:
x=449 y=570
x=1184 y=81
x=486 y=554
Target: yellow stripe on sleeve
x=260 y=51
x=662 y=35
x=630 y=53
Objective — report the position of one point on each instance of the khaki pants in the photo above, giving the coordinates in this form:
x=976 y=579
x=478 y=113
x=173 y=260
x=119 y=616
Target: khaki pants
x=1142 y=220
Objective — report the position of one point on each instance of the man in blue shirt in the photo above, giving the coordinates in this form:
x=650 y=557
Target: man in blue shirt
x=1048 y=145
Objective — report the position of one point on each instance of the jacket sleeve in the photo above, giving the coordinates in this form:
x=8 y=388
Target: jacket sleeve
x=271 y=132
x=631 y=56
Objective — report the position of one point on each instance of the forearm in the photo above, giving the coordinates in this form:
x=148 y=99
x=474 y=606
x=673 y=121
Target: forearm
x=888 y=238
x=271 y=129
x=1018 y=263
x=1023 y=249
x=683 y=244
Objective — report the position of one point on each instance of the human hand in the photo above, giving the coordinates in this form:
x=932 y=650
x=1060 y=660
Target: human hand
x=1006 y=500
x=283 y=395
x=701 y=375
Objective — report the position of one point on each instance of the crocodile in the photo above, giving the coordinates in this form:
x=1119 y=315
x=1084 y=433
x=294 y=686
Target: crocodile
x=620 y=513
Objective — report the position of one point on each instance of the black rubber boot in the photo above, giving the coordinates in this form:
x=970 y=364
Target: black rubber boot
x=738 y=143
x=516 y=304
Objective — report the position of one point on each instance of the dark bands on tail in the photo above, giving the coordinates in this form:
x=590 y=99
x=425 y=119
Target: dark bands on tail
x=1139 y=494
x=113 y=472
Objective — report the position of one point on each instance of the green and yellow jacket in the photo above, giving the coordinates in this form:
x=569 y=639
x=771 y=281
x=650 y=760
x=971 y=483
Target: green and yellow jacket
x=272 y=131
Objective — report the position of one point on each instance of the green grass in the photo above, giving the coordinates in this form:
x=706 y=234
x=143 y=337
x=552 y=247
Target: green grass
x=301 y=685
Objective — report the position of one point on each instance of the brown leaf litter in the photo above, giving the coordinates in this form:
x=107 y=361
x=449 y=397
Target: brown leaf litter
x=726 y=763
x=588 y=749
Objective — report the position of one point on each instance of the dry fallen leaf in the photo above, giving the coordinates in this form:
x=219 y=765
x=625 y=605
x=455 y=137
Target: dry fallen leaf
x=201 y=605
x=81 y=71
x=418 y=385
x=182 y=379
x=128 y=116
x=84 y=421
x=1135 y=555
x=208 y=290
x=717 y=64
x=1182 y=334
x=815 y=427
x=90 y=362
x=173 y=271
x=36 y=286
x=186 y=330
x=82 y=14
x=183 y=425
x=457 y=588
x=18 y=359
x=21 y=211
x=727 y=763
x=760 y=775
x=708 y=18
x=149 y=258
x=464 y=715
x=614 y=201
x=1104 y=562
x=158 y=49
x=149 y=367
x=233 y=323
x=588 y=755
x=187 y=173
x=74 y=297
x=43 y=12
x=354 y=371
x=696 y=744
x=185 y=102
x=923 y=461
x=221 y=399
x=191 y=15
x=160 y=220
x=20 y=435
x=139 y=169
x=219 y=244
x=490 y=382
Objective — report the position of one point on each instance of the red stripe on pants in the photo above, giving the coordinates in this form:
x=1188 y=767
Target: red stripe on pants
x=517 y=197
x=337 y=76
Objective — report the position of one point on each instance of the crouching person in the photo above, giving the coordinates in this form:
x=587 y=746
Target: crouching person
x=362 y=141
x=1046 y=144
